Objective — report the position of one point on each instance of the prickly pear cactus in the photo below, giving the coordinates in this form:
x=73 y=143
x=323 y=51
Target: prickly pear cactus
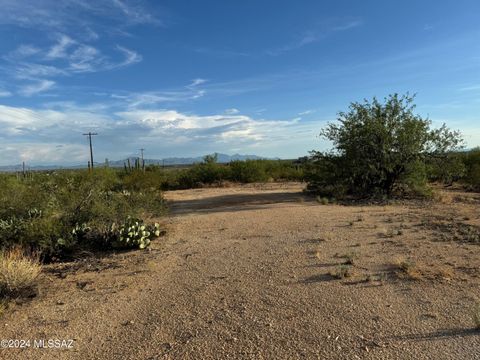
x=134 y=233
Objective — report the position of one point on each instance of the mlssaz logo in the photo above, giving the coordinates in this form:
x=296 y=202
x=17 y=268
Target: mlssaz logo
x=53 y=344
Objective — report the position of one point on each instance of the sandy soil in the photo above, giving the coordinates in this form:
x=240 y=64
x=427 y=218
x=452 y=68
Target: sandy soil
x=255 y=272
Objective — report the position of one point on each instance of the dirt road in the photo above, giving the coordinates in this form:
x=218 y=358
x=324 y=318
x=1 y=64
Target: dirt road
x=258 y=273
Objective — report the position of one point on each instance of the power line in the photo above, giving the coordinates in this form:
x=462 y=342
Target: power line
x=90 y=134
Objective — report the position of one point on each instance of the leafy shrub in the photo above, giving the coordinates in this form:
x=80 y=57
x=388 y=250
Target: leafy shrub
x=138 y=180
x=447 y=169
x=280 y=170
x=323 y=174
x=472 y=165
x=207 y=172
x=248 y=171
x=377 y=147
x=413 y=182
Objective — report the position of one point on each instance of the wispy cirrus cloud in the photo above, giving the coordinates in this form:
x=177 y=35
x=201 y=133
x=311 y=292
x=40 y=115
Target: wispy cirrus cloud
x=232 y=111
x=5 y=93
x=38 y=68
x=475 y=87
x=307 y=112
x=135 y=13
x=134 y=100
x=81 y=57
x=196 y=82
x=78 y=25
x=223 y=53
x=33 y=71
x=74 y=14
x=130 y=57
x=59 y=49
x=316 y=34
x=36 y=87
x=22 y=52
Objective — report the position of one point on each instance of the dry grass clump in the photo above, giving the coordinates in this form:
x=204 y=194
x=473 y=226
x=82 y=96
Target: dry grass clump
x=380 y=277
x=444 y=272
x=19 y=270
x=3 y=307
x=408 y=269
x=389 y=233
x=322 y=200
x=342 y=272
x=349 y=258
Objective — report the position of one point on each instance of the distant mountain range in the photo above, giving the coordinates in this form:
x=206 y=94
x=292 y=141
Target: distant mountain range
x=221 y=158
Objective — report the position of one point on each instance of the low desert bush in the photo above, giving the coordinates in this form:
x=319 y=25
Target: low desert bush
x=61 y=212
x=18 y=272
x=248 y=171
x=472 y=164
x=209 y=172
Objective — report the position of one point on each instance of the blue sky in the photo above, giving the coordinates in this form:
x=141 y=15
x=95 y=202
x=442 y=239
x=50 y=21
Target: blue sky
x=183 y=78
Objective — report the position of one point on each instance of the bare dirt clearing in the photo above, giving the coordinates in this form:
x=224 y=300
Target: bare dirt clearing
x=264 y=272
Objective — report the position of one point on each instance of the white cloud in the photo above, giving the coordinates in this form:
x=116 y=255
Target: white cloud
x=306 y=112
x=23 y=51
x=131 y=57
x=161 y=131
x=85 y=58
x=5 y=93
x=75 y=26
x=136 y=14
x=42 y=153
x=348 y=25
x=75 y=14
x=37 y=87
x=315 y=35
x=59 y=49
x=35 y=71
x=232 y=111
x=196 y=82
x=224 y=53
x=150 y=98
x=65 y=58
x=475 y=87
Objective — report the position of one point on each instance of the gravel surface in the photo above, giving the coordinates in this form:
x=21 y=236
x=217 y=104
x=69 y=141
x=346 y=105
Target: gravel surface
x=265 y=272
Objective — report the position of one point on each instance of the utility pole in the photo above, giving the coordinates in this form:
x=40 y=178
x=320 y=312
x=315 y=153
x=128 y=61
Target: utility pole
x=143 y=161
x=90 y=134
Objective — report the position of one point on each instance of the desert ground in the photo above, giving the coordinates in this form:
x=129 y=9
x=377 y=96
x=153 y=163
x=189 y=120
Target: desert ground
x=267 y=272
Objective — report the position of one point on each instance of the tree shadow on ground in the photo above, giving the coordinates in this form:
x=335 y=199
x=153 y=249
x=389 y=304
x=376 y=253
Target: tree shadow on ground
x=318 y=278
x=438 y=335
x=236 y=202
